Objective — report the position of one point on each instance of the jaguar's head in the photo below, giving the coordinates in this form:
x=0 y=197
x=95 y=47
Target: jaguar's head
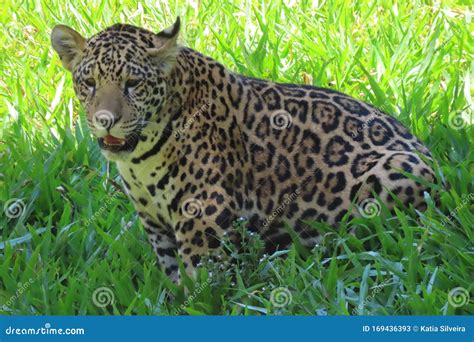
x=121 y=77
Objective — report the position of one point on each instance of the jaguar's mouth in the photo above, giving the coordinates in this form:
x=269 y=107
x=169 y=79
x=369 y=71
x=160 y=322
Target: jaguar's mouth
x=114 y=144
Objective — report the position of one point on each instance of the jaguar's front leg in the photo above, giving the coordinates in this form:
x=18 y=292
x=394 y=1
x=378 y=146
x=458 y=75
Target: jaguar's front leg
x=163 y=241
x=203 y=220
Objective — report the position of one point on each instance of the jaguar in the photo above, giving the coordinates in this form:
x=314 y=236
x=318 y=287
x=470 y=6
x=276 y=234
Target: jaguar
x=199 y=146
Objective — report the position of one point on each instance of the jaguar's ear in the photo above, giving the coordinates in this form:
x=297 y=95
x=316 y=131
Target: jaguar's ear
x=166 y=45
x=68 y=44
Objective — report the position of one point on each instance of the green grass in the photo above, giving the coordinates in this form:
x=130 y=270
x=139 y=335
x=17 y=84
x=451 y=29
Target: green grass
x=413 y=60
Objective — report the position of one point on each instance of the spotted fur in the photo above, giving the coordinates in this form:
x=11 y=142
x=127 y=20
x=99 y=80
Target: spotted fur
x=205 y=146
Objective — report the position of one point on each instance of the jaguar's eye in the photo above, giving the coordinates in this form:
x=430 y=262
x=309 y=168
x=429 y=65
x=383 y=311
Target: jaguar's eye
x=132 y=83
x=90 y=82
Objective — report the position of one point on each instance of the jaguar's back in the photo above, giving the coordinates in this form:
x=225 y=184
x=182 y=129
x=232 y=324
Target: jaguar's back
x=307 y=153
